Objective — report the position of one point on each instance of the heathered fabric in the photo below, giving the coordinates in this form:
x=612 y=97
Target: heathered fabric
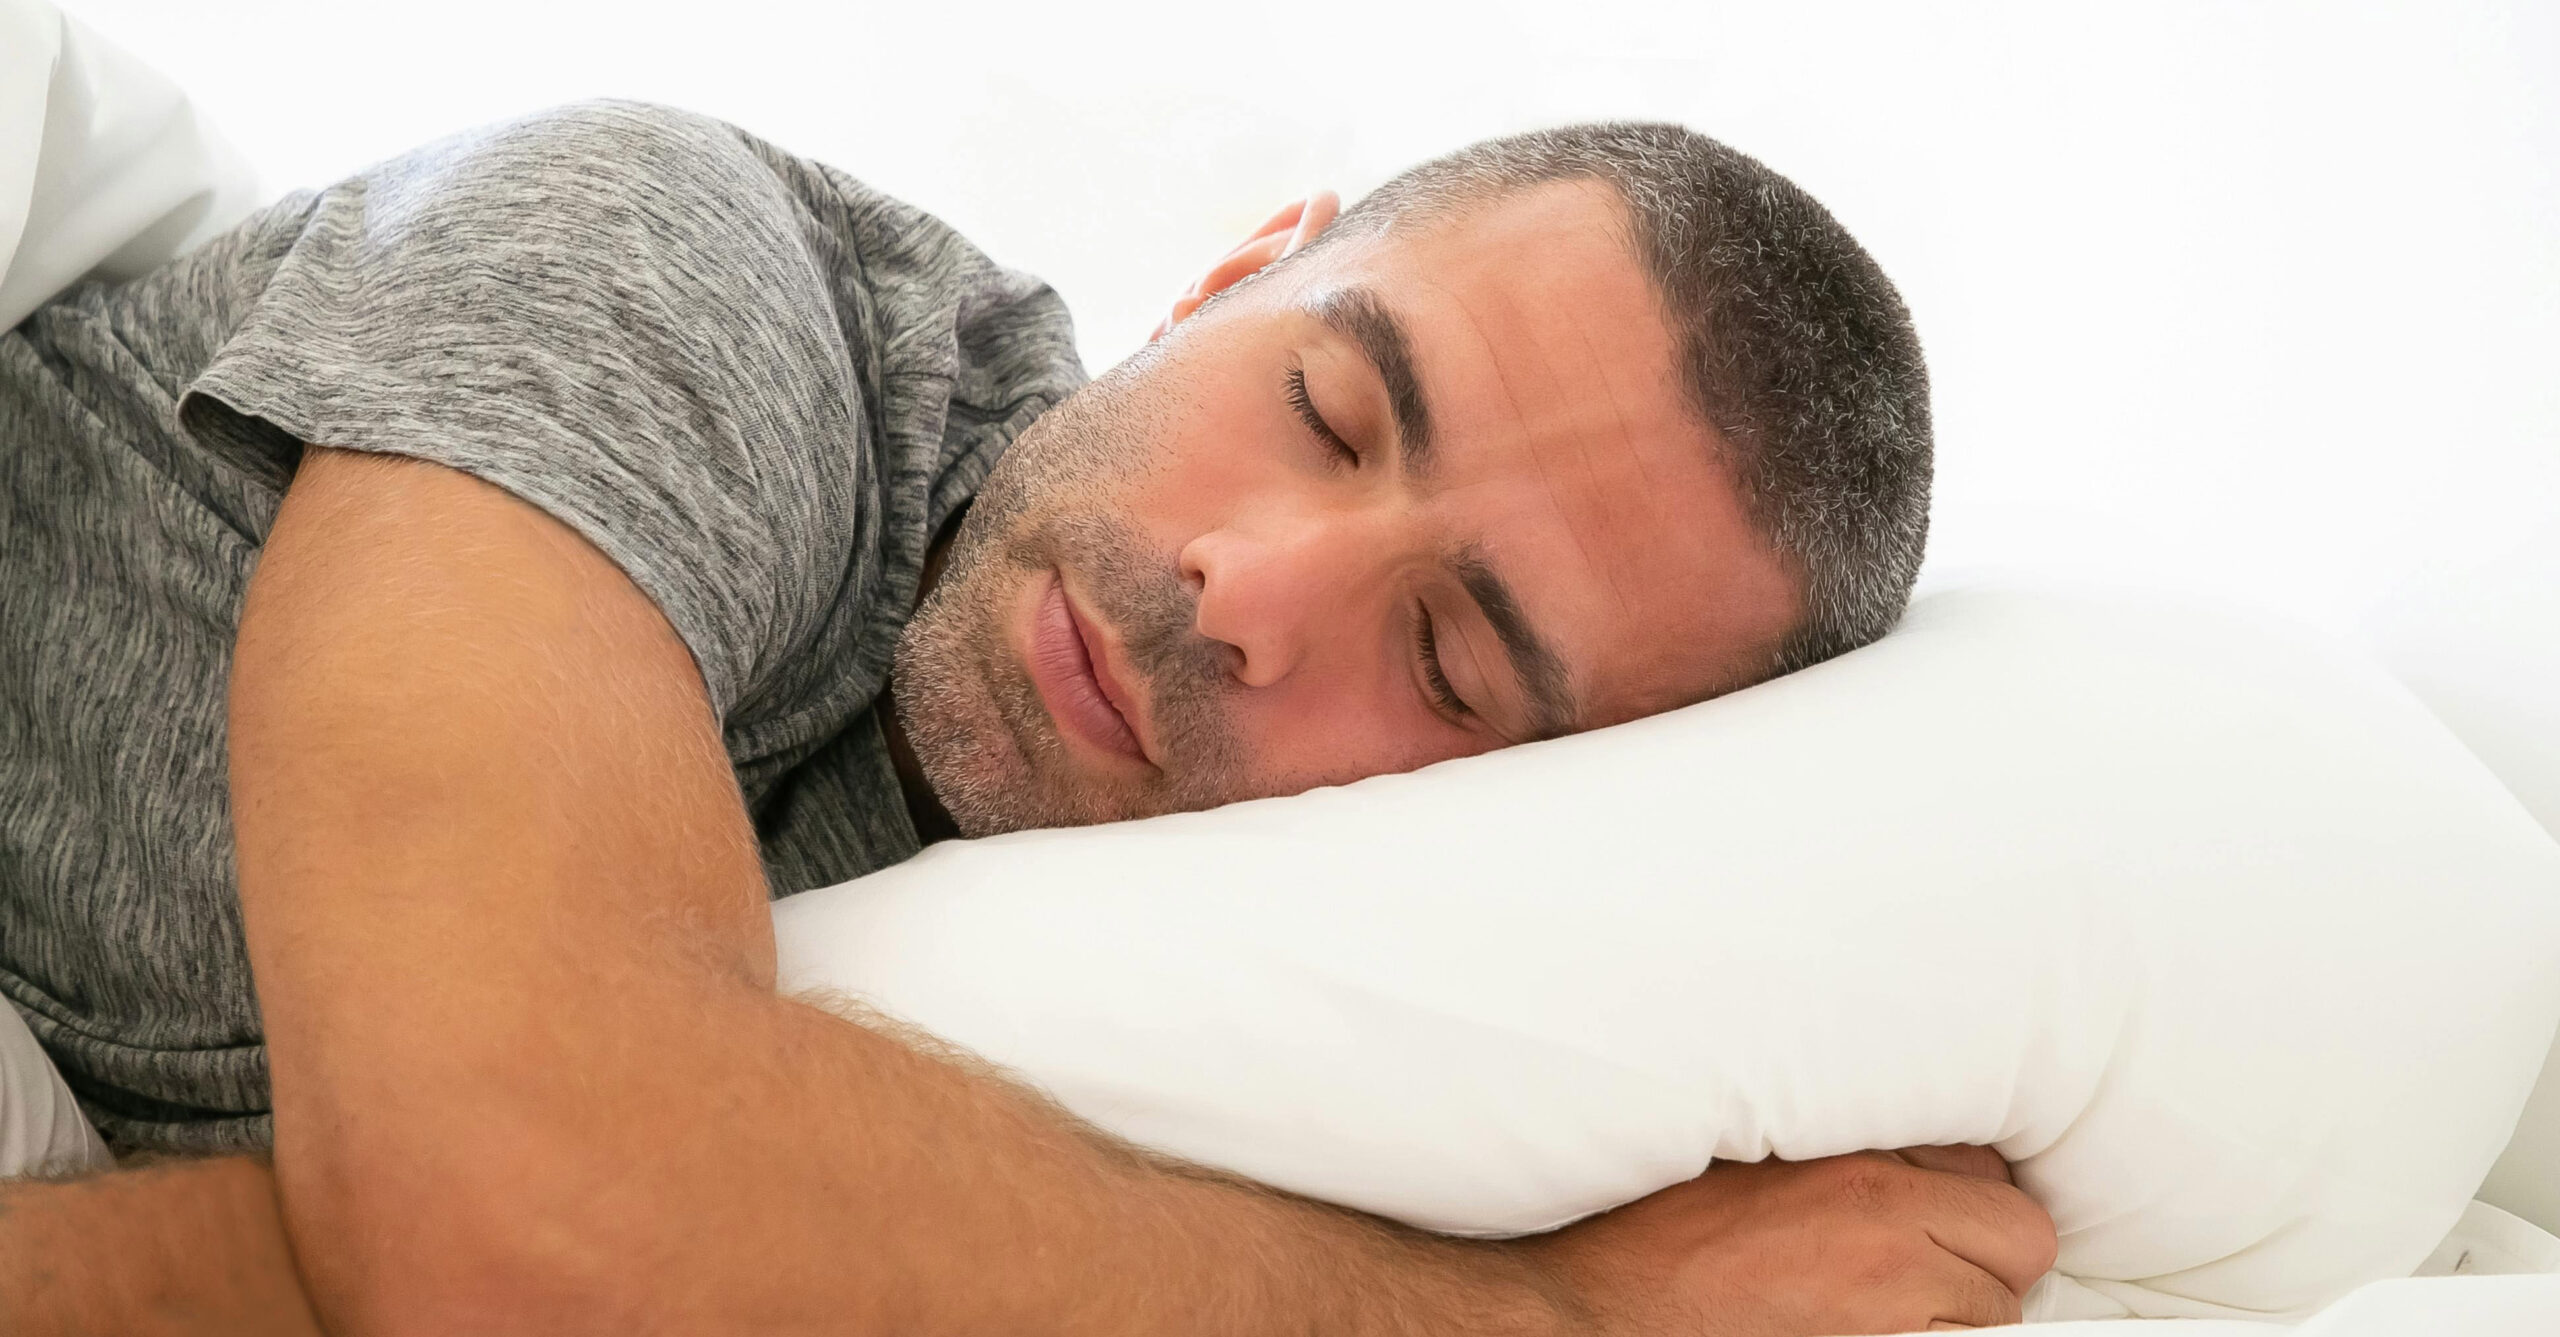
x=755 y=384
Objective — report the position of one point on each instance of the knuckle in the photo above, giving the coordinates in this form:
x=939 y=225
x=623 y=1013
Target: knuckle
x=1971 y=1160
x=1868 y=1185
x=1982 y=1162
x=2048 y=1245
x=2038 y=1243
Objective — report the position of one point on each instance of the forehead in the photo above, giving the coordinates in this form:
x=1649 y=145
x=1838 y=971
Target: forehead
x=1569 y=450
x=1574 y=233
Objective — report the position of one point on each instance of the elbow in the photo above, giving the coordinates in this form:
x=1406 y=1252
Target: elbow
x=461 y=1240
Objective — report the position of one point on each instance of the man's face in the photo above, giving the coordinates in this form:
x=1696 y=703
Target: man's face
x=1418 y=496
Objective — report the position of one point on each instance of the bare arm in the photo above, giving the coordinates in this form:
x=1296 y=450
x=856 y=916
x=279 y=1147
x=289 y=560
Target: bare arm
x=178 y=1249
x=511 y=944
x=1775 y=1249
x=530 y=1074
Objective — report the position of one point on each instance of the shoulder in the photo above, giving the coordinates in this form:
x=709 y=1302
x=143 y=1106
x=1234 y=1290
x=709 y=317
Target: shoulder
x=614 y=140
x=602 y=132
x=599 y=173
x=650 y=224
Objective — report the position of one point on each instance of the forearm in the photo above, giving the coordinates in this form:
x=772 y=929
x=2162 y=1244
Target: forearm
x=179 y=1249
x=996 y=1211
x=1016 y=1218
x=746 y=1163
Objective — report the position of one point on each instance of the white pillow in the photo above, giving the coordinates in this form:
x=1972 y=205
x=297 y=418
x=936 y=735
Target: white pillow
x=2212 y=929
x=105 y=169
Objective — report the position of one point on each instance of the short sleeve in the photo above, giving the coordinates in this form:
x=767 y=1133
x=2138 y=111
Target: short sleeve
x=607 y=310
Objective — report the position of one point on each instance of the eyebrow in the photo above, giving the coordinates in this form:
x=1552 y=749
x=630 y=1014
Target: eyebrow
x=1552 y=707
x=1357 y=314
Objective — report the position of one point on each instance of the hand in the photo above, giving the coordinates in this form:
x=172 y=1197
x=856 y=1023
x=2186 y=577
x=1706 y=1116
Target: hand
x=1882 y=1241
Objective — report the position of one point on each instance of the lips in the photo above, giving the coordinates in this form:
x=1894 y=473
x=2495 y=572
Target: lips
x=1069 y=668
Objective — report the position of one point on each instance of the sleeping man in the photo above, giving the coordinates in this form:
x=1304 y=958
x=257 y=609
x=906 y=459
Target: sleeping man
x=456 y=601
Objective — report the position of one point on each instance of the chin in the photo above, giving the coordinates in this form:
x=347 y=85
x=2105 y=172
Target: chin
x=977 y=763
x=984 y=744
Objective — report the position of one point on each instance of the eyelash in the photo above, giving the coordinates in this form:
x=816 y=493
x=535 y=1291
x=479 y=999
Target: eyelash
x=1305 y=406
x=1442 y=694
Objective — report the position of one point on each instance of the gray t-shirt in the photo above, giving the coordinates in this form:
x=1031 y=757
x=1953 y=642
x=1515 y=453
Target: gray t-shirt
x=757 y=385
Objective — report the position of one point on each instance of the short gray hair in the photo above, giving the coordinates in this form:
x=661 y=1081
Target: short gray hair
x=1792 y=343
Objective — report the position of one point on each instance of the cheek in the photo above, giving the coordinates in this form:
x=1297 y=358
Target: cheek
x=1215 y=445
x=1198 y=480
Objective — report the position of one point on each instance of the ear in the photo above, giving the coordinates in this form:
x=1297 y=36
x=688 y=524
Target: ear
x=1284 y=233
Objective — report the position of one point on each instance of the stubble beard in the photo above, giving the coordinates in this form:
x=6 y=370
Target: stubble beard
x=975 y=720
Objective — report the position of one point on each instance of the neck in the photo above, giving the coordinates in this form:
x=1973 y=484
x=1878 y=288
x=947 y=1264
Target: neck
x=932 y=820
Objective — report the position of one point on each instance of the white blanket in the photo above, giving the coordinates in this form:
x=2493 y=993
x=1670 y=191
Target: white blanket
x=2510 y=1306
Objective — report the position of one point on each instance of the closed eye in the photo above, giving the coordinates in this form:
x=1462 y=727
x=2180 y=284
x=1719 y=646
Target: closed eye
x=1435 y=681
x=1295 y=391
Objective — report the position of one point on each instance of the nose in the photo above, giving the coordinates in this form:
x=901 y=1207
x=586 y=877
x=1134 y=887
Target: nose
x=1274 y=586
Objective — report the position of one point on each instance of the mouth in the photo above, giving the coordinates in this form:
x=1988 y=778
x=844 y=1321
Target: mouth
x=1070 y=663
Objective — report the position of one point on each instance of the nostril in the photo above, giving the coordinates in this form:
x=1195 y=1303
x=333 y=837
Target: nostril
x=1217 y=661
x=1193 y=569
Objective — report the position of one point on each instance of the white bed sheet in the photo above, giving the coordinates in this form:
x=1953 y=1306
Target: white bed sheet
x=2508 y=1306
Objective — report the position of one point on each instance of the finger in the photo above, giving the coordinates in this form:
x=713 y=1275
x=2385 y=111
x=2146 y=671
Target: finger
x=1991 y=1226
x=1961 y=1295
x=1960 y=1159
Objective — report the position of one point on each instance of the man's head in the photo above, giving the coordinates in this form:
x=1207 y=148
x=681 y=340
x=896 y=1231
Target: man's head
x=1554 y=432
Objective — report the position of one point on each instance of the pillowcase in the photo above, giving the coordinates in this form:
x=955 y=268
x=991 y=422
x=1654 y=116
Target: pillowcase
x=105 y=169
x=2206 y=925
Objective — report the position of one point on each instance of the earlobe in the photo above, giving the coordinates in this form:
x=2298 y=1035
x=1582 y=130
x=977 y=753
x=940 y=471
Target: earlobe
x=1284 y=233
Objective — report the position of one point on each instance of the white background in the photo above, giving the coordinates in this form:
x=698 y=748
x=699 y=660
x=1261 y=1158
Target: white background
x=2265 y=297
